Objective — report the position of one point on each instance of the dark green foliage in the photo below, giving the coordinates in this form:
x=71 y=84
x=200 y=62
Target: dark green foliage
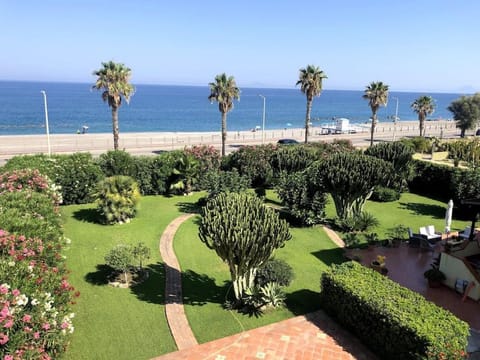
x=304 y=196
x=274 y=270
x=396 y=153
x=351 y=178
x=244 y=233
x=467 y=150
x=466 y=112
x=293 y=158
x=418 y=144
x=31 y=214
x=393 y=321
x=76 y=174
x=384 y=194
x=117 y=198
x=141 y=253
x=360 y=222
x=254 y=163
x=185 y=173
x=116 y=162
x=432 y=180
x=216 y=182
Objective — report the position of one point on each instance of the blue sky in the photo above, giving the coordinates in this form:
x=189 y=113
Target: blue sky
x=422 y=45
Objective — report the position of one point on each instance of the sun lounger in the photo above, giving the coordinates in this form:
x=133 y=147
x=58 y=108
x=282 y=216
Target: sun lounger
x=430 y=234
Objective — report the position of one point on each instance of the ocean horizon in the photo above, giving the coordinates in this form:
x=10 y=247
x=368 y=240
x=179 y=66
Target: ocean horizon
x=177 y=108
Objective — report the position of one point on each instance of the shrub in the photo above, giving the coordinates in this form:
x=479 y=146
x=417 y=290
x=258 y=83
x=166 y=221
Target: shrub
x=141 y=253
x=418 y=144
x=384 y=194
x=120 y=258
x=116 y=162
x=304 y=196
x=116 y=198
x=432 y=180
x=361 y=222
x=207 y=156
x=276 y=271
x=291 y=159
x=254 y=163
x=75 y=174
x=380 y=313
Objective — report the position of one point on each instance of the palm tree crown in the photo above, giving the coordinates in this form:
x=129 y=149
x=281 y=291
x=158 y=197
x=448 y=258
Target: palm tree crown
x=113 y=78
x=423 y=106
x=224 y=90
x=377 y=95
x=310 y=81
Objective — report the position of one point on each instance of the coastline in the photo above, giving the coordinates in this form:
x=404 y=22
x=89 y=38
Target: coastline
x=151 y=143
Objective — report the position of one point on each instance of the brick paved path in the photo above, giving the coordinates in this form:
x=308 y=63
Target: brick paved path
x=313 y=336
x=177 y=320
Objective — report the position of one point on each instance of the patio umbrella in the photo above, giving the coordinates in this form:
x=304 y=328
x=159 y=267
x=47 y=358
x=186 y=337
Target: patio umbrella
x=448 y=216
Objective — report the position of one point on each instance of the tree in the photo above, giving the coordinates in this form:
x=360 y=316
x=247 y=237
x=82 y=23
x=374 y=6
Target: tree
x=377 y=95
x=423 y=106
x=224 y=90
x=310 y=81
x=351 y=178
x=466 y=113
x=244 y=233
x=120 y=258
x=141 y=253
x=113 y=78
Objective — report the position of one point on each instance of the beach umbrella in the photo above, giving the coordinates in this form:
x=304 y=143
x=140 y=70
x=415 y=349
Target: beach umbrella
x=448 y=216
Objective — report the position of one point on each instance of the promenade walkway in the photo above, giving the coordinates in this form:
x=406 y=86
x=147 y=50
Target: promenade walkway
x=313 y=336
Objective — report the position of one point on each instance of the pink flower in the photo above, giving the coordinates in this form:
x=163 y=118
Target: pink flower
x=3 y=338
x=46 y=326
x=8 y=324
x=16 y=292
x=36 y=335
x=27 y=329
x=3 y=289
x=26 y=318
x=8 y=357
x=64 y=325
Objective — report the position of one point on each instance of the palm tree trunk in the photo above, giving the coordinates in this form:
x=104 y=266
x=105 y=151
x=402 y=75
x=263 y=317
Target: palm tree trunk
x=421 y=119
x=307 y=119
x=224 y=131
x=372 y=129
x=115 y=127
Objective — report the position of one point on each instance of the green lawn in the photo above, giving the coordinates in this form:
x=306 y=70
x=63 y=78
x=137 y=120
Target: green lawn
x=114 y=323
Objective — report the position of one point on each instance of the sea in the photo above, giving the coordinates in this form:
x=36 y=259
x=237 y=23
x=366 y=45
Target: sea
x=72 y=107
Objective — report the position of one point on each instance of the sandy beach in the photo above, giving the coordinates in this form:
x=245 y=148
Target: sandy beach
x=154 y=142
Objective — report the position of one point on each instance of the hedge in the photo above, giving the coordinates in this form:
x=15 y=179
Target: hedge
x=433 y=180
x=393 y=321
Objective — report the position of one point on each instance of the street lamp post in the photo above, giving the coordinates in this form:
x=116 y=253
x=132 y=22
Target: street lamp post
x=396 y=118
x=46 y=121
x=263 y=119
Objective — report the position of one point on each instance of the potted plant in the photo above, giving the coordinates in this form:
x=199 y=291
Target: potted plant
x=434 y=276
x=379 y=263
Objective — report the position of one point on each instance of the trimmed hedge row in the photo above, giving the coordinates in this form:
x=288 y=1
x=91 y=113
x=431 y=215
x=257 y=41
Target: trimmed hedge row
x=395 y=322
x=433 y=180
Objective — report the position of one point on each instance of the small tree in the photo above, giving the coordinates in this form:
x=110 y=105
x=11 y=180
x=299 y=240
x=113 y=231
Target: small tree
x=120 y=258
x=351 y=179
x=466 y=113
x=141 y=253
x=244 y=233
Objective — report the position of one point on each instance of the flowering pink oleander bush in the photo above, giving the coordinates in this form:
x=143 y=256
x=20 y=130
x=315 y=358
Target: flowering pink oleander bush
x=35 y=296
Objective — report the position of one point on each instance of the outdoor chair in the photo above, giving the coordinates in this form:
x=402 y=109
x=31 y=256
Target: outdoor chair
x=414 y=239
x=430 y=234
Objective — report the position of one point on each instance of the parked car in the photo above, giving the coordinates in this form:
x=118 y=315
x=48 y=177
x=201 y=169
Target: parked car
x=287 y=142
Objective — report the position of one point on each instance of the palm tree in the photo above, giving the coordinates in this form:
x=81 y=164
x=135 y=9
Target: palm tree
x=224 y=90
x=113 y=78
x=423 y=106
x=310 y=80
x=377 y=95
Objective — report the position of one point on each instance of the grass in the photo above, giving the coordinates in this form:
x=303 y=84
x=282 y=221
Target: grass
x=206 y=281
x=130 y=323
x=114 y=323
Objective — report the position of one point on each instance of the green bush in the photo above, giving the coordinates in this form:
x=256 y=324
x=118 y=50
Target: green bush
x=361 y=222
x=76 y=174
x=254 y=163
x=432 y=180
x=384 y=194
x=418 y=144
x=276 y=271
x=304 y=197
x=116 y=162
x=292 y=159
x=395 y=322
x=116 y=198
